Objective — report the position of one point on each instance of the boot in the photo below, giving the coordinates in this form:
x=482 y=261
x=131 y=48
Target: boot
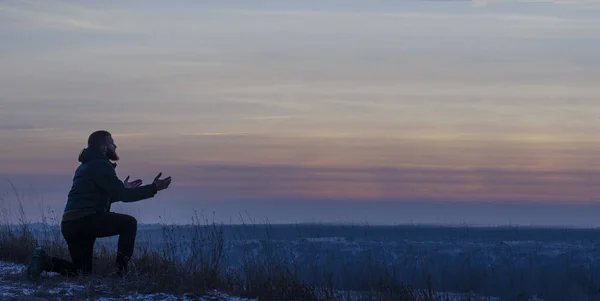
x=40 y=261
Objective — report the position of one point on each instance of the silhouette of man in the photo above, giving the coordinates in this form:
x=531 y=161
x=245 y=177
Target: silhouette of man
x=87 y=213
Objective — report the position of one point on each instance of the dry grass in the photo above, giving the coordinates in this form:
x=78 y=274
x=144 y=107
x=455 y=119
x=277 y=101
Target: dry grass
x=270 y=277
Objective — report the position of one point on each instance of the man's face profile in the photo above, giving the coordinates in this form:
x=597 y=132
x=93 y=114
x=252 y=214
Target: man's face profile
x=111 y=149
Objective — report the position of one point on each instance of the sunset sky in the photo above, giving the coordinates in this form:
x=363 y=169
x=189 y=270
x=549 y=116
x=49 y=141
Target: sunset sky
x=311 y=111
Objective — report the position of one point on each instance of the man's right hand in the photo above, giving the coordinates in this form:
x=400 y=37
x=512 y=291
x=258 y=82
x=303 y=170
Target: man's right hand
x=162 y=184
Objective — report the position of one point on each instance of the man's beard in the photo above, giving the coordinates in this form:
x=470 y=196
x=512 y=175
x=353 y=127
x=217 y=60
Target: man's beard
x=112 y=155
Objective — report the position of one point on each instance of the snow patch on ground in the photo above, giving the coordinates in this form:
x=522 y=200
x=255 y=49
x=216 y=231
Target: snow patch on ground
x=67 y=289
x=14 y=286
x=14 y=291
x=8 y=268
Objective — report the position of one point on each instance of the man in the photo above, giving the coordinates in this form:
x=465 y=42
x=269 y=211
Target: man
x=87 y=213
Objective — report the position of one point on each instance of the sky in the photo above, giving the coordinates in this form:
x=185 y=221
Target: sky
x=379 y=112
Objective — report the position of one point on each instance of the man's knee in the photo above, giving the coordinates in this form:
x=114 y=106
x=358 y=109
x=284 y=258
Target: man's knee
x=129 y=222
x=126 y=223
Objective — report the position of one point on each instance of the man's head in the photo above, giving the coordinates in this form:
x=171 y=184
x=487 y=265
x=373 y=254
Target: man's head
x=103 y=141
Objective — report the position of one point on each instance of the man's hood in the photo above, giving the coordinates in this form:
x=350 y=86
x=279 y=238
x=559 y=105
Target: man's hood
x=89 y=154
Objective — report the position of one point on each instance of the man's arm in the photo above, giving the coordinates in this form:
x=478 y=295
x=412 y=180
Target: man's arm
x=107 y=179
x=127 y=184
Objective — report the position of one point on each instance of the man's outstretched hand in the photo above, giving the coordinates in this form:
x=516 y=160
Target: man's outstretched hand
x=162 y=184
x=134 y=184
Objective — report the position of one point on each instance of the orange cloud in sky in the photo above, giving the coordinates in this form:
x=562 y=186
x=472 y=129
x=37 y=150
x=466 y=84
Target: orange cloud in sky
x=335 y=168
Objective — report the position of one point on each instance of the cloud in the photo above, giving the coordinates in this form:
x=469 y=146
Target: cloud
x=153 y=19
x=276 y=117
x=41 y=193
x=264 y=181
x=563 y=4
x=61 y=15
x=209 y=134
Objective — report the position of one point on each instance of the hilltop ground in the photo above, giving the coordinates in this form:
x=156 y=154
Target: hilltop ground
x=15 y=286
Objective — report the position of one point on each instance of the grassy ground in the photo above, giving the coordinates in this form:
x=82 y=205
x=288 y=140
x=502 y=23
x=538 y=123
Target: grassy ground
x=152 y=271
x=155 y=271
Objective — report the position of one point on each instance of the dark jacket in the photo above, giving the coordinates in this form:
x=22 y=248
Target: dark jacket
x=96 y=186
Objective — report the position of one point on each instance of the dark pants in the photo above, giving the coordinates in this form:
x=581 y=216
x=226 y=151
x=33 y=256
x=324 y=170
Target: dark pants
x=81 y=235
